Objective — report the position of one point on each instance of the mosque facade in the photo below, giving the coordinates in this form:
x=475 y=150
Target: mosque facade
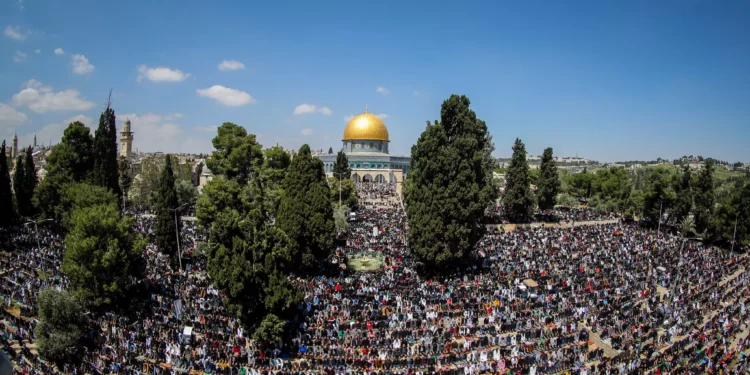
x=365 y=144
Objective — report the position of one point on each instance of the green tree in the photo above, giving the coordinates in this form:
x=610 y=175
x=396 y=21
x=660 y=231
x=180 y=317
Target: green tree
x=275 y=164
x=123 y=167
x=82 y=195
x=238 y=155
x=548 y=185
x=659 y=196
x=23 y=196
x=612 y=187
x=449 y=187
x=684 y=197
x=580 y=185
x=271 y=330
x=341 y=219
x=518 y=202
x=62 y=327
x=341 y=166
x=348 y=192
x=102 y=256
x=305 y=212
x=69 y=162
x=330 y=150
x=704 y=196
x=732 y=211
x=567 y=200
x=247 y=257
x=7 y=214
x=146 y=184
x=166 y=239
x=105 y=172
x=186 y=192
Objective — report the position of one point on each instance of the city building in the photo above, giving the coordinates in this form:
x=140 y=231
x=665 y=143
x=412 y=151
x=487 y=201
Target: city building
x=126 y=142
x=365 y=144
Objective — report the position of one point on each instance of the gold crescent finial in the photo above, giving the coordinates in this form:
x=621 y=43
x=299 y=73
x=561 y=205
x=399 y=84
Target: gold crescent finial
x=365 y=108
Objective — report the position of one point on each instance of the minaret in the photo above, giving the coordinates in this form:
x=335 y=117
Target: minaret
x=126 y=141
x=15 y=146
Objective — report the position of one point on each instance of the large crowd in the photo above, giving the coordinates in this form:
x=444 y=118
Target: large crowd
x=594 y=299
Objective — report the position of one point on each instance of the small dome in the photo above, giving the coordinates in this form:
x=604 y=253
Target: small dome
x=366 y=127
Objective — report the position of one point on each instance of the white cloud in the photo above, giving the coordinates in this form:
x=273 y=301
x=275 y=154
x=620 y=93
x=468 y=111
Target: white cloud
x=208 y=129
x=416 y=93
x=227 y=96
x=311 y=108
x=231 y=65
x=34 y=84
x=41 y=99
x=15 y=33
x=382 y=90
x=38 y=51
x=52 y=132
x=81 y=65
x=19 y=57
x=349 y=118
x=59 y=51
x=325 y=110
x=306 y=132
x=161 y=74
x=9 y=119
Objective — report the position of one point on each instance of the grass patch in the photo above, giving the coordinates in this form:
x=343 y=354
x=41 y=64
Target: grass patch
x=366 y=264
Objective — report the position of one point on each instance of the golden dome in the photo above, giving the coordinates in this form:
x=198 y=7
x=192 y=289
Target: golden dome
x=366 y=126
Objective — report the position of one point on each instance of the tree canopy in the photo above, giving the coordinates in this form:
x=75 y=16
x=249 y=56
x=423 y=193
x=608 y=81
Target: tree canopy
x=106 y=171
x=341 y=166
x=62 y=327
x=238 y=155
x=548 y=185
x=69 y=162
x=145 y=186
x=704 y=196
x=24 y=183
x=7 y=213
x=518 y=201
x=102 y=255
x=305 y=212
x=166 y=227
x=449 y=187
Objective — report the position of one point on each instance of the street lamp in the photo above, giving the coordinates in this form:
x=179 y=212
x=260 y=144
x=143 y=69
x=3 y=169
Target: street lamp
x=339 y=174
x=734 y=236
x=38 y=245
x=177 y=232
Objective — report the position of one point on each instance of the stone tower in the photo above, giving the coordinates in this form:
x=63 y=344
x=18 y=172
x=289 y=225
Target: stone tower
x=126 y=141
x=14 y=153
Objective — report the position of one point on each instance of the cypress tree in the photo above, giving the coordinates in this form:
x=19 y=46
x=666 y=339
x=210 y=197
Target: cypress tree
x=684 y=196
x=330 y=150
x=23 y=198
x=105 y=171
x=517 y=198
x=705 y=197
x=342 y=166
x=6 y=195
x=548 y=185
x=449 y=187
x=305 y=212
x=30 y=181
x=165 y=216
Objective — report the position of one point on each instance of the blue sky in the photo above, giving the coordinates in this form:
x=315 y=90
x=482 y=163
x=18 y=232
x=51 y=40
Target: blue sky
x=601 y=79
